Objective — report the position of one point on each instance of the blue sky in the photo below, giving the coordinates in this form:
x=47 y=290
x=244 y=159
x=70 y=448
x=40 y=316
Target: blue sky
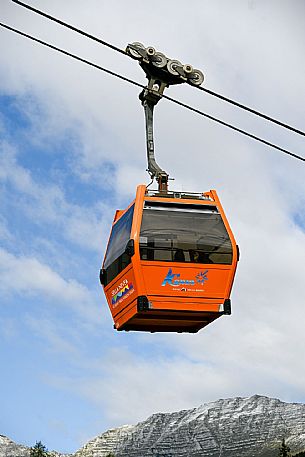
x=72 y=150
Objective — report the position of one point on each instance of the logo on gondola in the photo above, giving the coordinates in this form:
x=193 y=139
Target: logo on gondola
x=124 y=289
x=174 y=279
x=201 y=277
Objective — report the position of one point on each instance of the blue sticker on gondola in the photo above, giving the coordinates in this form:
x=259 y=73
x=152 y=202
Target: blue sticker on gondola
x=174 y=279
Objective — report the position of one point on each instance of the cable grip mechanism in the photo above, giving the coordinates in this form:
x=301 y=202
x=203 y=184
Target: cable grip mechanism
x=161 y=72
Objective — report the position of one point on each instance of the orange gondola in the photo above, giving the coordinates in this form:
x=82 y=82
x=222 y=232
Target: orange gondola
x=171 y=256
x=170 y=262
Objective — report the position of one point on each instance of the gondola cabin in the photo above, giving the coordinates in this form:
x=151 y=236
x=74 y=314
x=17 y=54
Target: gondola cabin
x=170 y=262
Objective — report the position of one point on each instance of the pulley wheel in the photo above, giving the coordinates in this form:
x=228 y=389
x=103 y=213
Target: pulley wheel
x=159 y=60
x=133 y=53
x=188 y=68
x=171 y=66
x=150 y=51
x=196 y=77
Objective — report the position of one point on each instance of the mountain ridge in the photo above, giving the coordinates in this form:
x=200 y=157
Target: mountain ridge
x=238 y=426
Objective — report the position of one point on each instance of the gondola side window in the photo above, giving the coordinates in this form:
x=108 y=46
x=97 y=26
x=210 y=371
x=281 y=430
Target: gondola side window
x=180 y=235
x=116 y=258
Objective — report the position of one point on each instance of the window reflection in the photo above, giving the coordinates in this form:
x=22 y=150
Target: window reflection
x=181 y=235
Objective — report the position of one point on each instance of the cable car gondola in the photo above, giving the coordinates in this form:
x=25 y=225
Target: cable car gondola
x=170 y=262
x=171 y=256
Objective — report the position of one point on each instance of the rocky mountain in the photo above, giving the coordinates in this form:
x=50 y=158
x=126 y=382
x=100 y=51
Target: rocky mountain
x=235 y=427
x=9 y=449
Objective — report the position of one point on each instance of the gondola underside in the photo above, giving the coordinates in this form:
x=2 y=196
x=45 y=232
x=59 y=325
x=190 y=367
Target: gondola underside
x=169 y=316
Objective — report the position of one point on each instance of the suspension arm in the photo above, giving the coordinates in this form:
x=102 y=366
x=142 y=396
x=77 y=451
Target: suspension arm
x=149 y=100
x=160 y=72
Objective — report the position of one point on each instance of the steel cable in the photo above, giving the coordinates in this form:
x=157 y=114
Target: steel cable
x=115 y=48
x=112 y=73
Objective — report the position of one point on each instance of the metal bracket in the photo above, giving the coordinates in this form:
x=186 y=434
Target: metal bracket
x=160 y=72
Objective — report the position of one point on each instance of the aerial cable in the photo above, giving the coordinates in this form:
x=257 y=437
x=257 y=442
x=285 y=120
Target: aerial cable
x=251 y=110
x=236 y=129
x=71 y=27
x=62 y=51
x=115 y=48
x=130 y=81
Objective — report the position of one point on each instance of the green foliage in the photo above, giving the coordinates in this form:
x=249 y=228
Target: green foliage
x=299 y=454
x=284 y=450
x=110 y=455
x=39 y=450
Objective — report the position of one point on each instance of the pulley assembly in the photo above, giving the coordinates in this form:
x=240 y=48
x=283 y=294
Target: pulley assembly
x=173 y=71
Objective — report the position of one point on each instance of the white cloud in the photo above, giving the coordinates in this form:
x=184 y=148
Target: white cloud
x=26 y=275
x=58 y=341
x=4 y=231
x=46 y=203
x=8 y=328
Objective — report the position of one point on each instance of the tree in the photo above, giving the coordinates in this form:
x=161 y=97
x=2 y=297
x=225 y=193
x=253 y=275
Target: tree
x=284 y=450
x=39 y=450
x=110 y=455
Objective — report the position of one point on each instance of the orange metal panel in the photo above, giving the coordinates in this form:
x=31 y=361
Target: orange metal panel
x=180 y=280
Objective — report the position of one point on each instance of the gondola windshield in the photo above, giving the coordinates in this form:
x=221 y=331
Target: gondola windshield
x=116 y=258
x=184 y=234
